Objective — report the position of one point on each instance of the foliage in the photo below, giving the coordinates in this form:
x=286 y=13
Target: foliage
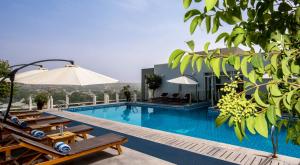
x=4 y=86
x=127 y=93
x=273 y=27
x=41 y=99
x=153 y=81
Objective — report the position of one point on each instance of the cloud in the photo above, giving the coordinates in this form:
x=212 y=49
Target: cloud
x=133 y=5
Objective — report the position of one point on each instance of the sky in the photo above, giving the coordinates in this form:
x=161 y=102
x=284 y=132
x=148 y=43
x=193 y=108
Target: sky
x=112 y=37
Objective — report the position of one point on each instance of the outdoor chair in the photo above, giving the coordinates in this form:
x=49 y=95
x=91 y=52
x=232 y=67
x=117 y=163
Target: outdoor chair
x=31 y=114
x=79 y=130
x=41 y=118
x=21 y=112
x=44 y=125
x=78 y=149
x=161 y=98
x=186 y=98
x=175 y=98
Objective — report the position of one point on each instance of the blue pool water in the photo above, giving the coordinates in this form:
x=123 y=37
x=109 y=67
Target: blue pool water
x=196 y=123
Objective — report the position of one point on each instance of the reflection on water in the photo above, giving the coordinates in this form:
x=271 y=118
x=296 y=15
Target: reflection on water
x=195 y=123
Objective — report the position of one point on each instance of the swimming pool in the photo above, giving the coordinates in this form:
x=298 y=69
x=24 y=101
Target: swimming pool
x=196 y=123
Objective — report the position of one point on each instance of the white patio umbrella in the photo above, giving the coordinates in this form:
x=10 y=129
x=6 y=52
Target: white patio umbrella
x=68 y=75
x=184 y=80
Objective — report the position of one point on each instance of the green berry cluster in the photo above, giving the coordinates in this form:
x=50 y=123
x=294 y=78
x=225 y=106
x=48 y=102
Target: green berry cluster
x=235 y=105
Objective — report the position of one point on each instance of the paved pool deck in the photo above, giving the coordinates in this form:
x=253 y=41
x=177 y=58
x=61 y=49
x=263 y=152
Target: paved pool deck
x=212 y=149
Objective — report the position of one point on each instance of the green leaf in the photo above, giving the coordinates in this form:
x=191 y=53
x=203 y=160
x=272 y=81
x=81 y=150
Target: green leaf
x=250 y=122
x=216 y=24
x=230 y=122
x=224 y=62
x=184 y=64
x=257 y=61
x=174 y=55
x=194 y=24
x=199 y=64
x=289 y=97
x=222 y=35
x=297 y=106
x=187 y=3
x=210 y=4
x=231 y=60
x=237 y=62
x=215 y=64
x=237 y=31
x=194 y=59
x=176 y=61
x=206 y=45
x=221 y=119
x=238 y=133
x=258 y=99
x=274 y=90
x=274 y=61
x=252 y=76
x=191 y=44
x=208 y=23
x=277 y=112
x=285 y=103
x=190 y=14
x=244 y=66
x=295 y=68
x=271 y=114
x=261 y=125
x=238 y=39
x=284 y=66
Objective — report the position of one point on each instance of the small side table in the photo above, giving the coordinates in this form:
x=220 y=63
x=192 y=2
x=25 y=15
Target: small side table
x=67 y=137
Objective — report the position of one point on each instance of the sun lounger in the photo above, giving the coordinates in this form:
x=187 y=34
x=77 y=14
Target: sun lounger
x=21 y=112
x=175 y=98
x=40 y=125
x=41 y=118
x=163 y=97
x=79 y=130
x=78 y=149
x=31 y=114
x=53 y=122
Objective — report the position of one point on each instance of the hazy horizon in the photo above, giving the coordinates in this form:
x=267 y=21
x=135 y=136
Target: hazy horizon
x=116 y=38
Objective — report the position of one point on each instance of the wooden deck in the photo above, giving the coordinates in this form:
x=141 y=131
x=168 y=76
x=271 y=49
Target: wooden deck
x=231 y=153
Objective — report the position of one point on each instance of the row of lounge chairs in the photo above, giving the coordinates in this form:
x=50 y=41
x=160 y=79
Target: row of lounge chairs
x=19 y=146
x=172 y=99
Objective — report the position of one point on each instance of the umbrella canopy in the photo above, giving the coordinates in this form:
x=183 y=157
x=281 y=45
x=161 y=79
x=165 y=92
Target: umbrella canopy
x=27 y=73
x=30 y=73
x=183 y=80
x=69 y=75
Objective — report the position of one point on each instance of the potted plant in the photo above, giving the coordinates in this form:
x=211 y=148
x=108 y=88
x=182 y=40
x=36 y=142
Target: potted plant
x=41 y=99
x=127 y=93
x=153 y=81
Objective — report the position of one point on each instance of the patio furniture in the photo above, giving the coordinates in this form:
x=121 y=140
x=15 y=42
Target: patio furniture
x=30 y=114
x=175 y=98
x=163 y=97
x=186 y=98
x=40 y=125
x=78 y=149
x=66 y=137
x=41 y=118
x=21 y=112
x=79 y=130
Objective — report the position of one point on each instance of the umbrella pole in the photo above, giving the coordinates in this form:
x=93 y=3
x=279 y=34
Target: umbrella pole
x=10 y=96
